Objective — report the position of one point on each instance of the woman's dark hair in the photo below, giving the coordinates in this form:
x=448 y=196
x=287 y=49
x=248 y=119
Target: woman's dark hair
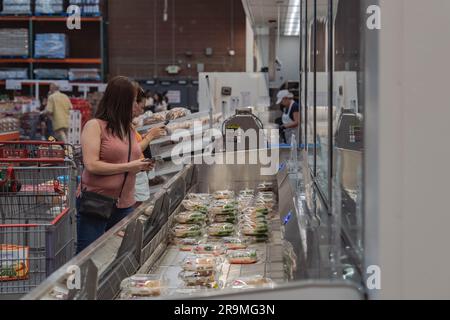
x=140 y=92
x=116 y=106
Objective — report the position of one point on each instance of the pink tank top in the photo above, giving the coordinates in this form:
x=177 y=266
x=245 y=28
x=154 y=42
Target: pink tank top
x=114 y=150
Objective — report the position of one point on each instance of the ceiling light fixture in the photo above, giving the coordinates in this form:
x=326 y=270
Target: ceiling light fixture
x=292 y=26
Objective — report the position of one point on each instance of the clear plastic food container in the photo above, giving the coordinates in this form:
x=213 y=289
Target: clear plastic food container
x=251 y=282
x=186 y=244
x=233 y=243
x=198 y=278
x=143 y=285
x=223 y=194
x=195 y=205
x=199 y=263
x=190 y=217
x=247 y=256
x=265 y=186
x=247 y=192
x=209 y=248
x=187 y=230
x=221 y=229
x=254 y=228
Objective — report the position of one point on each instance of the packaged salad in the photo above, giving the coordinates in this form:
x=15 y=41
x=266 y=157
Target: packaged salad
x=186 y=244
x=247 y=256
x=190 y=217
x=195 y=205
x=187 y=230
x=232 y=243
x=223 y=194
x=220 y=229
x=197 y=278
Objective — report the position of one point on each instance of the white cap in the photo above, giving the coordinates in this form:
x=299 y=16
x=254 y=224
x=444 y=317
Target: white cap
x=284 y=94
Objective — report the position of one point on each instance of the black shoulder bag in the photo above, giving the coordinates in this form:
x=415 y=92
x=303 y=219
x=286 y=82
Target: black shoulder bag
x=98 y=206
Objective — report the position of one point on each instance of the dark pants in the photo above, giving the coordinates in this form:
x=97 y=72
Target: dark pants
x=90 y=229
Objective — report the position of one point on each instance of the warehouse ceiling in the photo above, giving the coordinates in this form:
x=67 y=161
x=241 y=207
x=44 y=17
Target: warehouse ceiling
x=262 y=12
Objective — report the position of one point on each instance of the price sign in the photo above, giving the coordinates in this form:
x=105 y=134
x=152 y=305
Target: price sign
x=13 y=85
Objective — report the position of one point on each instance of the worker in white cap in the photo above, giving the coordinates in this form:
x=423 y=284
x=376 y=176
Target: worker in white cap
x=291 y=115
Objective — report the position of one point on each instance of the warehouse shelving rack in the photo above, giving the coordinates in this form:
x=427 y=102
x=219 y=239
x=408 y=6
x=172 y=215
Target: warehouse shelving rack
x=72 y=61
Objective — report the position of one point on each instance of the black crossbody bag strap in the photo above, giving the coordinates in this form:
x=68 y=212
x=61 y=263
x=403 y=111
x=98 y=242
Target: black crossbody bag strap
x=129 y=158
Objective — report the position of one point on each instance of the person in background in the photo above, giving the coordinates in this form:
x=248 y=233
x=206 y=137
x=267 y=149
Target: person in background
x=105 y=144
x=142 y=186
x=149 y=102
x=291 y=115
x=159 y=103
x=45 y=122
x=58 y=108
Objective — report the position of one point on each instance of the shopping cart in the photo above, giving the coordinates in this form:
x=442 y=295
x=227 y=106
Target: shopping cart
x=37 y=211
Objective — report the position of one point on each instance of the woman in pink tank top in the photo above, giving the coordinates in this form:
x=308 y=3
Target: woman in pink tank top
x=105 y=143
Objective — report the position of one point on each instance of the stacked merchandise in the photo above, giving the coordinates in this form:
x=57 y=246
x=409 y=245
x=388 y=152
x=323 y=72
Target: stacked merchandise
x=200 y=271
x=16 y=7
x=84 y=107
x=49 y=7
x=51 y=45
x=13 y=73
x=254 y=210
x=74 y=136
x=9 y=124
x=14 y=42
x=84 y=75
x=88 y=7
x=53 y=74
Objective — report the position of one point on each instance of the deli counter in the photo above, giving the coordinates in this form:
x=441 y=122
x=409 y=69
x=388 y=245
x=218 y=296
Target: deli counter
x=299 y=257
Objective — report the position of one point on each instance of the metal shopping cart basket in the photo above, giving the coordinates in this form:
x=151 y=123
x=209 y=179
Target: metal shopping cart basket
x=37 y=213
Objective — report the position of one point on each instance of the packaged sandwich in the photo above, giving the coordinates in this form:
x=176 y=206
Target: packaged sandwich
x=251 y=282
x=191 y=217
x=232 y=243
x=247 y=256
x=197 y=278
x=187 y=230
x=220 y=229
x=142 y=285
x=256 y=211
x=247 y=192
x=199 y=263
x=254 y=228
x=195 y=205
x=221 y=218
x=186 y=244
x=226 y=207
x=204 y=197
x=209 y=248
x=223 y=194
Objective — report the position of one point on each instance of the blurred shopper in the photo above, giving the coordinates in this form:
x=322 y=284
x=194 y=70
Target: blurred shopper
x=58 y=108
x=142 y=192
x=291 y=115
x=159 y=102
x=112 y=159
x=45 y=123
x=149 y=102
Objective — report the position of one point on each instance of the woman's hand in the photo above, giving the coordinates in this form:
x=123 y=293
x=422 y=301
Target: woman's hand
x=155 y=133
x=137 y=166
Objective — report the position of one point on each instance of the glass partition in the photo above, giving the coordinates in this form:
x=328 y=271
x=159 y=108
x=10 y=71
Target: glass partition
x=322 y=89
x=311 y=60
x=348 y=122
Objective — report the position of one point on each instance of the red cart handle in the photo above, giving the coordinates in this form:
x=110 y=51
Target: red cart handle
x=32 y=160
x=34 y=143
